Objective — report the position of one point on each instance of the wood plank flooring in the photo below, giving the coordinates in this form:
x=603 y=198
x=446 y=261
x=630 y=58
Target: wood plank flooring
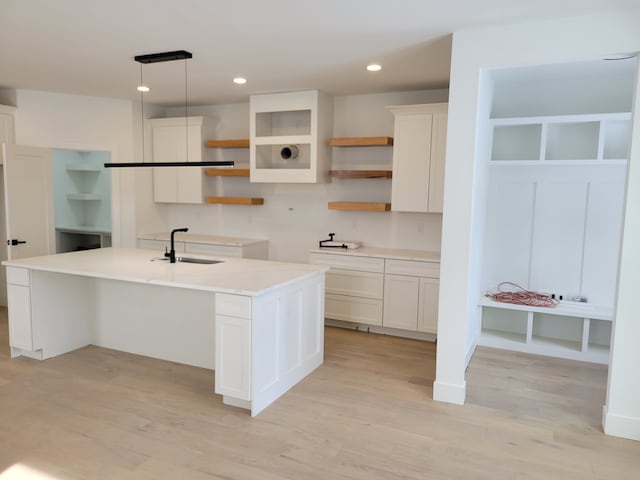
x=366 y=413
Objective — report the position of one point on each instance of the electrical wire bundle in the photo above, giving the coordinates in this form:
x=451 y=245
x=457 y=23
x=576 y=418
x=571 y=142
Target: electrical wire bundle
x=509 y=292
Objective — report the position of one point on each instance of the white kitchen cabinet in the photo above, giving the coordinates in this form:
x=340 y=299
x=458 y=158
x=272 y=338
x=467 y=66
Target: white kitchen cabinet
x=428 y=305
x=19 y=303
x=395 y=289
x=7 y=122
x=420 y=134
x=289 y=135
x=401 y=302
x=176 y=140
x=233 y=348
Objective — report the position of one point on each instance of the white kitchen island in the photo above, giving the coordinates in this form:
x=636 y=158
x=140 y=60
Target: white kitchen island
x=258 y=324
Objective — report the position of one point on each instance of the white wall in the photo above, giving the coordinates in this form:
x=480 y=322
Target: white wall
x=534 y=43
x=71 y=121
x=295 y=216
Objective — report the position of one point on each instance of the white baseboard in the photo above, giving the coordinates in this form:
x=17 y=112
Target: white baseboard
x=620 y=425
x=449 y=392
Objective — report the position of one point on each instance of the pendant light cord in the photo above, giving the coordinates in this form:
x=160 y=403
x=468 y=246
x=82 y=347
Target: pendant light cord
x=186 y=111
x=142 y=112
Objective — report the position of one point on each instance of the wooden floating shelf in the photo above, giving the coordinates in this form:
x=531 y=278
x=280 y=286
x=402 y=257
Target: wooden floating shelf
x=227 y=172
x=360 y=206
x=236 y=200
x=235 y=143
x=361 y=142
x=360 y=173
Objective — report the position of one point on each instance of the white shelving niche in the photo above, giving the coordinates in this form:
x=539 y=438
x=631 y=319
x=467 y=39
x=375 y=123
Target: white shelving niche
x=555 y=201
x=289 y=135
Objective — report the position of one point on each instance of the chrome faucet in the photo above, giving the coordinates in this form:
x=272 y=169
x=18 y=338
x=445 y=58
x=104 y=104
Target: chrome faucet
x=172 y=253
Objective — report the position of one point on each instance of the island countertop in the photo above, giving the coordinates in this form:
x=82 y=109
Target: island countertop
x=233 y=275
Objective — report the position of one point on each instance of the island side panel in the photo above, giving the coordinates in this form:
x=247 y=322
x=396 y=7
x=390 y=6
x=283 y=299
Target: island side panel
x=62 y=313
x=287 y=338
x=168 y=323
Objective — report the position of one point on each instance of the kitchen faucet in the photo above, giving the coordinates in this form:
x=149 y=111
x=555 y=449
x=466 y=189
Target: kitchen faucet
x=172 y=253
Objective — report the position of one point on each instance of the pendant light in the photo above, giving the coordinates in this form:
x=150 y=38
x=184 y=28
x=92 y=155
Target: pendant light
x=166 y=57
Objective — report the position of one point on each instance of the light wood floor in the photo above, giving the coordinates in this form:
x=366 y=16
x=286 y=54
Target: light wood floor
x=366 y=413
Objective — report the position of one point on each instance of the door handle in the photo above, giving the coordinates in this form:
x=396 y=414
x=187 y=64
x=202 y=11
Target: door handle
x=13 y=242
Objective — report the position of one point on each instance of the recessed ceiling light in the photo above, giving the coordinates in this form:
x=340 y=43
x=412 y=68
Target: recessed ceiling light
x=143 y=88
x=240 y=80
x=374 y=67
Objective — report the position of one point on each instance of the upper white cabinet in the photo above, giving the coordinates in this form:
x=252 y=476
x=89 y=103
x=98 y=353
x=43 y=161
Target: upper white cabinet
x=176 y=140
x=7 y=124
x=289 y=137
x=420 y=135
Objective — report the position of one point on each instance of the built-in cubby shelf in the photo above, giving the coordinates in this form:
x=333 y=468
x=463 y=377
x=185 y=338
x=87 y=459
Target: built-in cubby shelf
x=562 y=139
x=360 y=173
x=227 y=172
x=231 y=143
x=236 y=200
x=567 y=331
x=360 y=206
x=361 y=142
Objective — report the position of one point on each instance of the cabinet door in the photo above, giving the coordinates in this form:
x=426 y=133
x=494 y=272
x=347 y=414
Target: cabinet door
x=353 y=309
x=428 y=305
x=436 y=170
x=233 y=357
x=411 y=163
x=190 y=185
x=19 y=304
x=165 y=185
x=400 y=302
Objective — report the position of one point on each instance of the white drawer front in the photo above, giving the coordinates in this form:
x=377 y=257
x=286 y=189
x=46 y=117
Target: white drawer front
x=353 y=309
x=350 y=282
x=413 y=268
x=18 y=276
x=159 y=245
x=233 y=305
x=348 y=262
x=210 y=249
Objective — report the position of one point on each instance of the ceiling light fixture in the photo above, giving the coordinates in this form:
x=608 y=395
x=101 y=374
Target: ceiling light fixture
x=166 y=57
x=374 y=67
x=239 y=80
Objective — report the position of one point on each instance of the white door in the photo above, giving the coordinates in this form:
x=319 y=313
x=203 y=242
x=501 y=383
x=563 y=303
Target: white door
x=29 y=201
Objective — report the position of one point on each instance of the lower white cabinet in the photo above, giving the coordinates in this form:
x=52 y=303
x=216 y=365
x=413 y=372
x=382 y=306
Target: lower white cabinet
x=401 y=302
x=389 y=292
x=19 y=302
x=233 y=356
x=428 y=305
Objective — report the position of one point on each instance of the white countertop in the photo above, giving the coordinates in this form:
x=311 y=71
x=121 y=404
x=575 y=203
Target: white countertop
x=201 y=238
x=393 y=253
x=234 y=275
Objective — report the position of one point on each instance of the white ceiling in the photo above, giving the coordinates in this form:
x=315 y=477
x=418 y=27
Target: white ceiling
x=87 y=46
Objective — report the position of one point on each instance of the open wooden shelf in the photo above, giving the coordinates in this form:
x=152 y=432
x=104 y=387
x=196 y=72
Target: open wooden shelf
x=361 y=141
x=227 y=172
x=360 y=173
x=236 y=200
x=234 y=143
x=360 y=206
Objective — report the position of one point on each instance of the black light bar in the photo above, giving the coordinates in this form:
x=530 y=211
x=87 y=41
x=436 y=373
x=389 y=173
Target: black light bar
x=163 y=56
x=170 y=164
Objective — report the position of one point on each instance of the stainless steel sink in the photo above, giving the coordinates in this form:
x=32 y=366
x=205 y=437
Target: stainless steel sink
x=205 y=261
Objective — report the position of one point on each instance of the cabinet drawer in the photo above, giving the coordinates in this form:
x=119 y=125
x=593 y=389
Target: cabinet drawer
x=233 y=305
x=350 y=282
x=346 y=262
x=413 y=268
x=353 y=309
x=212 y=249
x=160 y=245
x=18 y=276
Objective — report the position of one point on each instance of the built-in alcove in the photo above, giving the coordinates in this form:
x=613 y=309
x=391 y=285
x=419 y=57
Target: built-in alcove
x=556 y=161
